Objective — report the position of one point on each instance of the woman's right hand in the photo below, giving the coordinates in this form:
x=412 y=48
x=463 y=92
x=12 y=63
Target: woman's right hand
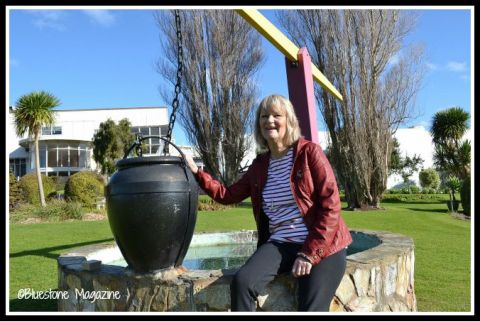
x=191 y=163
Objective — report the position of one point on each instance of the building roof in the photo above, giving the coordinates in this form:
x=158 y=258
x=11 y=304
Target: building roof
x=11 y=108
x=112 y=108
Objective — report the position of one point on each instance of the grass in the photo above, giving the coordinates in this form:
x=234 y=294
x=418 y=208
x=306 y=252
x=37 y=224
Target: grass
x=442 y=249
x=33 y=252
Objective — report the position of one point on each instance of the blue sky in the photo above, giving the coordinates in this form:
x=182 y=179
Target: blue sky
x=105 y=58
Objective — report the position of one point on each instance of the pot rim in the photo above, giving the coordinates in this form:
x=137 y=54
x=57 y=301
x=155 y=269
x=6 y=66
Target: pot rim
x=136 y=161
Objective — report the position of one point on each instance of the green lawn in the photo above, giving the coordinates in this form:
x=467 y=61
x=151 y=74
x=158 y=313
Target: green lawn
x=442 y=250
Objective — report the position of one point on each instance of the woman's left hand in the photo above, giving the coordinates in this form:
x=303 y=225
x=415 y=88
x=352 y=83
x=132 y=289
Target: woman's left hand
x=301 y=267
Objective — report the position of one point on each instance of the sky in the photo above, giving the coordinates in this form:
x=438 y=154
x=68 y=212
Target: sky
x=104 y=58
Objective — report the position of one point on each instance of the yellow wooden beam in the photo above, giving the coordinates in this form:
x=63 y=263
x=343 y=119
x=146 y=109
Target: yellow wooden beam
x=282 y=43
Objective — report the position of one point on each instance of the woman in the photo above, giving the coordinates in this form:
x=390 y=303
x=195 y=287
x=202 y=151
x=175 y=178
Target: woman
x=296 y=206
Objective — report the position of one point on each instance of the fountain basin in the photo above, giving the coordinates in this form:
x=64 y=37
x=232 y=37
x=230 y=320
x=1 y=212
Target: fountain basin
x=379 y=277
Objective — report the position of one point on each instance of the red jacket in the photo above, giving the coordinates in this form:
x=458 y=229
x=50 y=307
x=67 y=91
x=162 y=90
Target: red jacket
x=314 y=189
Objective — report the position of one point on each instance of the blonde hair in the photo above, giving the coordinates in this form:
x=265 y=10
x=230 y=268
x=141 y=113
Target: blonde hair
x=293 y=128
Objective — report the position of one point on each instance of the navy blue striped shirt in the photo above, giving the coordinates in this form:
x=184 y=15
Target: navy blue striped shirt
x=285 y=221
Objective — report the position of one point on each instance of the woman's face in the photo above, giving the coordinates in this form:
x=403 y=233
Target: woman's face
x=273 y=124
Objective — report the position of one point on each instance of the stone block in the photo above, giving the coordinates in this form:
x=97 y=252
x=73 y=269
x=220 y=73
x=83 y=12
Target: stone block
x=281 y=295
x=346 y=290
x=91 y=265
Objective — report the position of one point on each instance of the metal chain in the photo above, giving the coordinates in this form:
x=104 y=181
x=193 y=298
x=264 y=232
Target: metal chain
x=179 y=81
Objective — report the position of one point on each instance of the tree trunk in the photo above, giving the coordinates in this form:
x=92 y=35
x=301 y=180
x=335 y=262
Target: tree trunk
x=37 y=169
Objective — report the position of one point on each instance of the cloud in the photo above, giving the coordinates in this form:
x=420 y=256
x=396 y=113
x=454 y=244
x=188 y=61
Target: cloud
x=102 y=17
x=394 y=60
x=457 y=66
x=48 y=19
x=431 y=66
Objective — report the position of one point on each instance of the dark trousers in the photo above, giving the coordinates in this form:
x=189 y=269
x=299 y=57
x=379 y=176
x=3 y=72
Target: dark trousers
x=315 y=291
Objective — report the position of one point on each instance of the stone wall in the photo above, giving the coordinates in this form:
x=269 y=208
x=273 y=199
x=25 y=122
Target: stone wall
x=379 y=279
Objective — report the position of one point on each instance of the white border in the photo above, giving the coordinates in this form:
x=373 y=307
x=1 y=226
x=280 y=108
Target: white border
x=7 y=89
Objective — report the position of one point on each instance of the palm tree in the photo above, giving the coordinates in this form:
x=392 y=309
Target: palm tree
x=452 y=155
x=453 y=184
x=33 y=111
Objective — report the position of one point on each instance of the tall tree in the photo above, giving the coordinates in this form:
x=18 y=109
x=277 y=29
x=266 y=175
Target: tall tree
x=221 y=55
x=395 y=158
x=110 y=143
x=452 y=151
x=403 y=166
x=360 y=52
x=408 y=166
x=32 y=111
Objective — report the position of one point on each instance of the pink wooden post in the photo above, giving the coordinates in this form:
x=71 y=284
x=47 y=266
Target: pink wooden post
x=301 y=93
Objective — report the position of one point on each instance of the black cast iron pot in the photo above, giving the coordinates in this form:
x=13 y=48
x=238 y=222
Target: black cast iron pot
x=152 y=210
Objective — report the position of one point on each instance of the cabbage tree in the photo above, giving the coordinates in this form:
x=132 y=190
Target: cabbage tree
x=31 y=113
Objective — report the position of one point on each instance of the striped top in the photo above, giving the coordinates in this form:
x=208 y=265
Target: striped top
x=285 y=221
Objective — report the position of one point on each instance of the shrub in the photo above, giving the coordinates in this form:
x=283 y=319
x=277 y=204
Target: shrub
x=393 y=191
x=428 y=190
x=15 y=196
x=56 y=210
x=84 y=187
x=53 y=211
x=414 y=189
x=29 y=186
x=465 y=196
x=205 y=203
x=22 y=212
x=429 y=178
x=72 y=210
x=454 y=184
x=417 y=198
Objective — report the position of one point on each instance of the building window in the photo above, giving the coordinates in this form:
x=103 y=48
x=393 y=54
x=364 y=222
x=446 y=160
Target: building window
x=52 y=130
x=64 y=155
x=56 y=130
x=151 y=145
x=154 y=145
x=73 y=157
x=43 y=156
x=155 y=131
x=164 y=130
x=52 y=155
x=83 y=159
x=18 y=166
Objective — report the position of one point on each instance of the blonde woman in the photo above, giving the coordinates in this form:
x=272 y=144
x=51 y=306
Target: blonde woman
x=296 y=206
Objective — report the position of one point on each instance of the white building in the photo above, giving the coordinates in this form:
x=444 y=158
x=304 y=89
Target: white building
x=65 y=147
